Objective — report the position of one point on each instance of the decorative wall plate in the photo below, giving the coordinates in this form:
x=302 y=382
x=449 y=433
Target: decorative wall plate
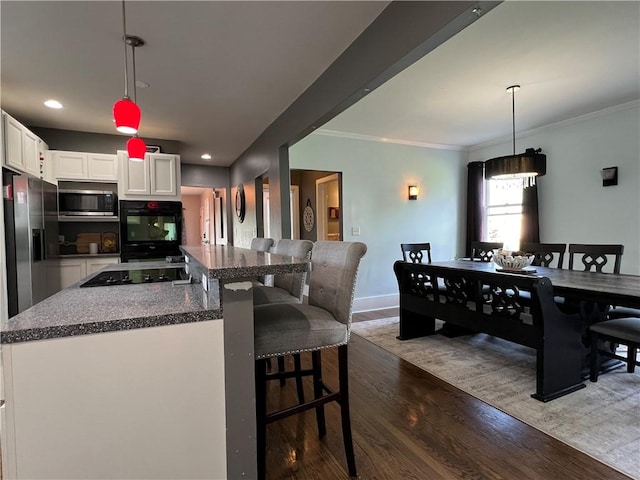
x=308 y=217
x=240 y=203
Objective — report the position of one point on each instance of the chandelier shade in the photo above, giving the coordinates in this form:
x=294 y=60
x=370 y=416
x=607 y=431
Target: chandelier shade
x=531 y=163
x=126 y=116
x=526 y=166
x=136 y=148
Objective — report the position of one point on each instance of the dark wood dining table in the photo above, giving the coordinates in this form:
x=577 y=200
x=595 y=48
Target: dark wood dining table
x=580 y=286
x=590 y=294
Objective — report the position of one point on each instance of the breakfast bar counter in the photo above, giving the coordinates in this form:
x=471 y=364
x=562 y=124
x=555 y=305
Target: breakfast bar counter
x=143 y=381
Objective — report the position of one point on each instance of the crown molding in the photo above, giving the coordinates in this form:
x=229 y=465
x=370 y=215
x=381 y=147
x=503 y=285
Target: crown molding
x=479 y=146
x=398 y=141
x=561 y=123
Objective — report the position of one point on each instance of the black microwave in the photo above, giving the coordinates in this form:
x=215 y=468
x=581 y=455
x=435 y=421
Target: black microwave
x=87 y=203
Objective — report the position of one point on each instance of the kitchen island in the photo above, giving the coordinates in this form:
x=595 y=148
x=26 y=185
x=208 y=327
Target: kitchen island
x=128 y=381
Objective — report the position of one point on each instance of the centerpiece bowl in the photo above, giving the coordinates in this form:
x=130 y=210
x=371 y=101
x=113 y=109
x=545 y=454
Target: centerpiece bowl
x=512 y=261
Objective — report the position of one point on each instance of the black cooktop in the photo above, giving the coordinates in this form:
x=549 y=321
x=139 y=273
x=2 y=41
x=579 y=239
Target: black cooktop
x=132 y=277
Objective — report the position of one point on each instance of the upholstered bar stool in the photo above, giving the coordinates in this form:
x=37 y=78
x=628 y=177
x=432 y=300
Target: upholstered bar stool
x=325 y=322
x=260 y=244
x=287 y=288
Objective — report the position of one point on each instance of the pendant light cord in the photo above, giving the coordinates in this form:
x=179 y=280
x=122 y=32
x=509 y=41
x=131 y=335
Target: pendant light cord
x=513 y=117
x=124 y=41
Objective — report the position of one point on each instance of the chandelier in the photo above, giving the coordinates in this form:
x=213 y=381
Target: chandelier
x=525 y=166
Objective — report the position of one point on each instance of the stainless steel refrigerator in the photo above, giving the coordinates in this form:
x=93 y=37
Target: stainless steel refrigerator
x=31 y=237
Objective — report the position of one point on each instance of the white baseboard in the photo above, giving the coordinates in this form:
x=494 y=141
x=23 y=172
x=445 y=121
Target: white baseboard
x=364 y=304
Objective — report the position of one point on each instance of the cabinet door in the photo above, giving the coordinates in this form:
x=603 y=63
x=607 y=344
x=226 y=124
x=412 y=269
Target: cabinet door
x=96 y=264
x=72 y=271
x=70 y=165
x=30 y=153
x=162 y=170
x=102 y=167
x=48 y=170
x=13 y=149
x=135 y=176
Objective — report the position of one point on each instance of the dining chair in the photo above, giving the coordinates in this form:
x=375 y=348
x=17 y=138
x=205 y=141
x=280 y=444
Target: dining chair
x=545 y=253
x=596 y=257
x=483 y=251
x=620 y=330
x=323 y=322
x=415 y=252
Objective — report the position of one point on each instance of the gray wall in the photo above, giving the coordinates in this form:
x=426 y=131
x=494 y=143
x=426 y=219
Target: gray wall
x=403 y=33
x=76 y=141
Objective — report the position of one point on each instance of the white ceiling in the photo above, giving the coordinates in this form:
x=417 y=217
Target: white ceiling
x=221 y=72
x=570 y=58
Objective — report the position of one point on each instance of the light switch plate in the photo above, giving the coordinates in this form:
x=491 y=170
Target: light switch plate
x=355 y=231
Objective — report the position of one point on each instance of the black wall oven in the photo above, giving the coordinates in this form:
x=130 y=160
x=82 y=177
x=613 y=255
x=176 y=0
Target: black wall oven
x=149 y=230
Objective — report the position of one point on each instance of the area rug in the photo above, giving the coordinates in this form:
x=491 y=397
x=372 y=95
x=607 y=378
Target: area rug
x=601 y=420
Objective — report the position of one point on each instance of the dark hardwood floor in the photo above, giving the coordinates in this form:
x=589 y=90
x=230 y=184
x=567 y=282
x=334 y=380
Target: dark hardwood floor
x=407 y=424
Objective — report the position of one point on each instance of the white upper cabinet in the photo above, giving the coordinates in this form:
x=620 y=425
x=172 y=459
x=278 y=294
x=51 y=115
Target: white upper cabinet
x=102 y=167
x=70 y=165
x=21 y=149
x=85 y=166
x=13 y=143
x=156 y=178
x=31 y=153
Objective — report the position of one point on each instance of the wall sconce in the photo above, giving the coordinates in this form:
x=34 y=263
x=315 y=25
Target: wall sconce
x=609 y=176
x=413 y=192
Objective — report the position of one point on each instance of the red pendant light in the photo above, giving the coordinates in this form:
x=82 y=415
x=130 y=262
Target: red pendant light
x=136 y=148
x=126 y=116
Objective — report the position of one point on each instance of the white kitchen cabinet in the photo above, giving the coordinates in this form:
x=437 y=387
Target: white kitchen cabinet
x=30 y=152
x=95 y=264
x=72 y=270
x=85 y=166
x=47 y=170
x=21 y=147
x=74 y=404
x=156 y=178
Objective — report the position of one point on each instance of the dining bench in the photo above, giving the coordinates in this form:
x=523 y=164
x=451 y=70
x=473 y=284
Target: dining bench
x=492 y=303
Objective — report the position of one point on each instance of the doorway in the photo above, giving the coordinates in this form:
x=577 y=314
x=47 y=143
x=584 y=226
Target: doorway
x=204 y=216
x=320 y=197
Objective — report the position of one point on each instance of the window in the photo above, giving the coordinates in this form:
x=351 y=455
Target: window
x=503 y=215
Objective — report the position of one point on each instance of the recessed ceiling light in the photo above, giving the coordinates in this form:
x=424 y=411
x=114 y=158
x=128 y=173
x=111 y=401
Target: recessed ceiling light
x=206 y=156
x=53 y=104
x=142 y=84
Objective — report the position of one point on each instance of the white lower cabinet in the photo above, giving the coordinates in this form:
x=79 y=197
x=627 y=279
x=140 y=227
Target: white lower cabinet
x=146 y=403
x=72 y=270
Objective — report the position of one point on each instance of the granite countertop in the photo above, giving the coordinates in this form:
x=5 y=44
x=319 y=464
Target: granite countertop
x=227 y=262
x=81 y=311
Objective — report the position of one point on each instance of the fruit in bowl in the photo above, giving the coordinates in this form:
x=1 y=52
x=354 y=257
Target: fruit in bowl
x=512 y=260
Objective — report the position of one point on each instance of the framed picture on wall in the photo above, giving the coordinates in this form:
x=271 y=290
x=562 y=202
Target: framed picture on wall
x=334 y=213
